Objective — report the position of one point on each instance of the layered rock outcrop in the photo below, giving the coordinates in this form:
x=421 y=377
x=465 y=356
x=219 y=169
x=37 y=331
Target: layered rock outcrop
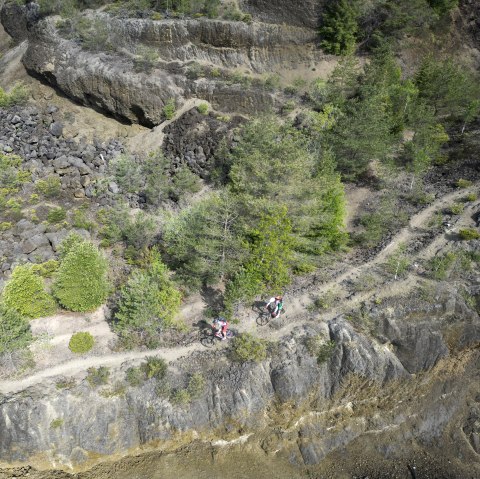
x=110 y=82
x=98 y=422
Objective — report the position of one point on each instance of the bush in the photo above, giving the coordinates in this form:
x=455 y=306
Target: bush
x=5 y=226
x=81 y=342
x=15 y=331
x=247 y=347
x=180 y=397
x=127 y=173
x=461 y=183
x=455 y=208
x=25 y=293
x=468 y=234
x=398 y=263
x=47 y=269
x=169 y=109
x=98 y=376
x=65 y=383
x=471 y=197
x=154 y=367
x=203 y=108
x=325 y=351
x=50 y=187
x=17 y=95
x=134 y=376
x=81 y=282
x=56 y=215
x=56 y=423
x=196 y=385
x=79 y=220
x=439 y=266
x=67 y=244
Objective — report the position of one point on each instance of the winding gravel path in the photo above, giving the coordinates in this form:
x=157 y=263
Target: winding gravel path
x=296 y=303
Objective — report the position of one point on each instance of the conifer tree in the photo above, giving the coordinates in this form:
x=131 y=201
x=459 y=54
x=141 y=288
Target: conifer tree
x=339 y=27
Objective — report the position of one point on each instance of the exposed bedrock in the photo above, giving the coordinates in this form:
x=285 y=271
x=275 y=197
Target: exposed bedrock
x=305 y=13
x=110 y=83
x=238 y=397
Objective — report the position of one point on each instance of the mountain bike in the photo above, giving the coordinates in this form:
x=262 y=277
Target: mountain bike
x=208 y=337
x=264 y=315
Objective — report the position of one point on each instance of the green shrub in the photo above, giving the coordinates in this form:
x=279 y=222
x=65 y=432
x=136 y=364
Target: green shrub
x=118 y=389
x=67 y=244
x=247 y=347
x=65 y=383
x=196 y=385
x=398 y=263
x=127 y=173
x=154 y=367
x=468 y=234
x=185 y=183
x=79 y=220
x=439 y=266
x=169 y=109
x=56 y=423
x=81 y=281
x=203 y=108
x=25 y=292
x=443 y=6
x=5 y=226
x=47 y=269
x=98 y=376
x=180 y=397
x=461 y=183
x=325 y=301
x=50 y=187
x=17 y=95
x=455 y=208
x=56 y=215
x=325 y=351
x=134 y=376
x=81 y=342
x=471 y=197
x=15 y=331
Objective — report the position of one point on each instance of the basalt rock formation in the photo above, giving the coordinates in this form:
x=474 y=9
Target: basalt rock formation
x=109 y=81
x=238 y=397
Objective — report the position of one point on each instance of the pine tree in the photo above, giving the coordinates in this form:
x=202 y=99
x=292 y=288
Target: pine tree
x=339 y=27
x=149 y=301
x=14 y=330
x=204 y=241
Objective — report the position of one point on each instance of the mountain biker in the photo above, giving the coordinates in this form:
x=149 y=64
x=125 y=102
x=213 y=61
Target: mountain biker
x=275 y=306
x=220 y=325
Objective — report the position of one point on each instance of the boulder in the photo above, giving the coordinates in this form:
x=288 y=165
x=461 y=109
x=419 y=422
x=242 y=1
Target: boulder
x=31 y=244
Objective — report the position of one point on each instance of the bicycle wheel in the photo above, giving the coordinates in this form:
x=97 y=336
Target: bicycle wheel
x=263 y=318
x=231 y=333
x=207 y=338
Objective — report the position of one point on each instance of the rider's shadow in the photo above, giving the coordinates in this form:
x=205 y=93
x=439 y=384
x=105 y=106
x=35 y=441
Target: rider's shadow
x=258 y=306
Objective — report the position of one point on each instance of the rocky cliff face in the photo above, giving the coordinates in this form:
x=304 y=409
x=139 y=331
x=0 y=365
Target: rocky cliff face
x=110 y=82
x=332 y=395
x=306 y=13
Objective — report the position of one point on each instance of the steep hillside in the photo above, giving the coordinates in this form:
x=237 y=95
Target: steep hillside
x=166 y=163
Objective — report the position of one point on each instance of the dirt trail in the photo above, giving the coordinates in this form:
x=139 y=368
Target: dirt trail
x=297 y=304
x=152 y=140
